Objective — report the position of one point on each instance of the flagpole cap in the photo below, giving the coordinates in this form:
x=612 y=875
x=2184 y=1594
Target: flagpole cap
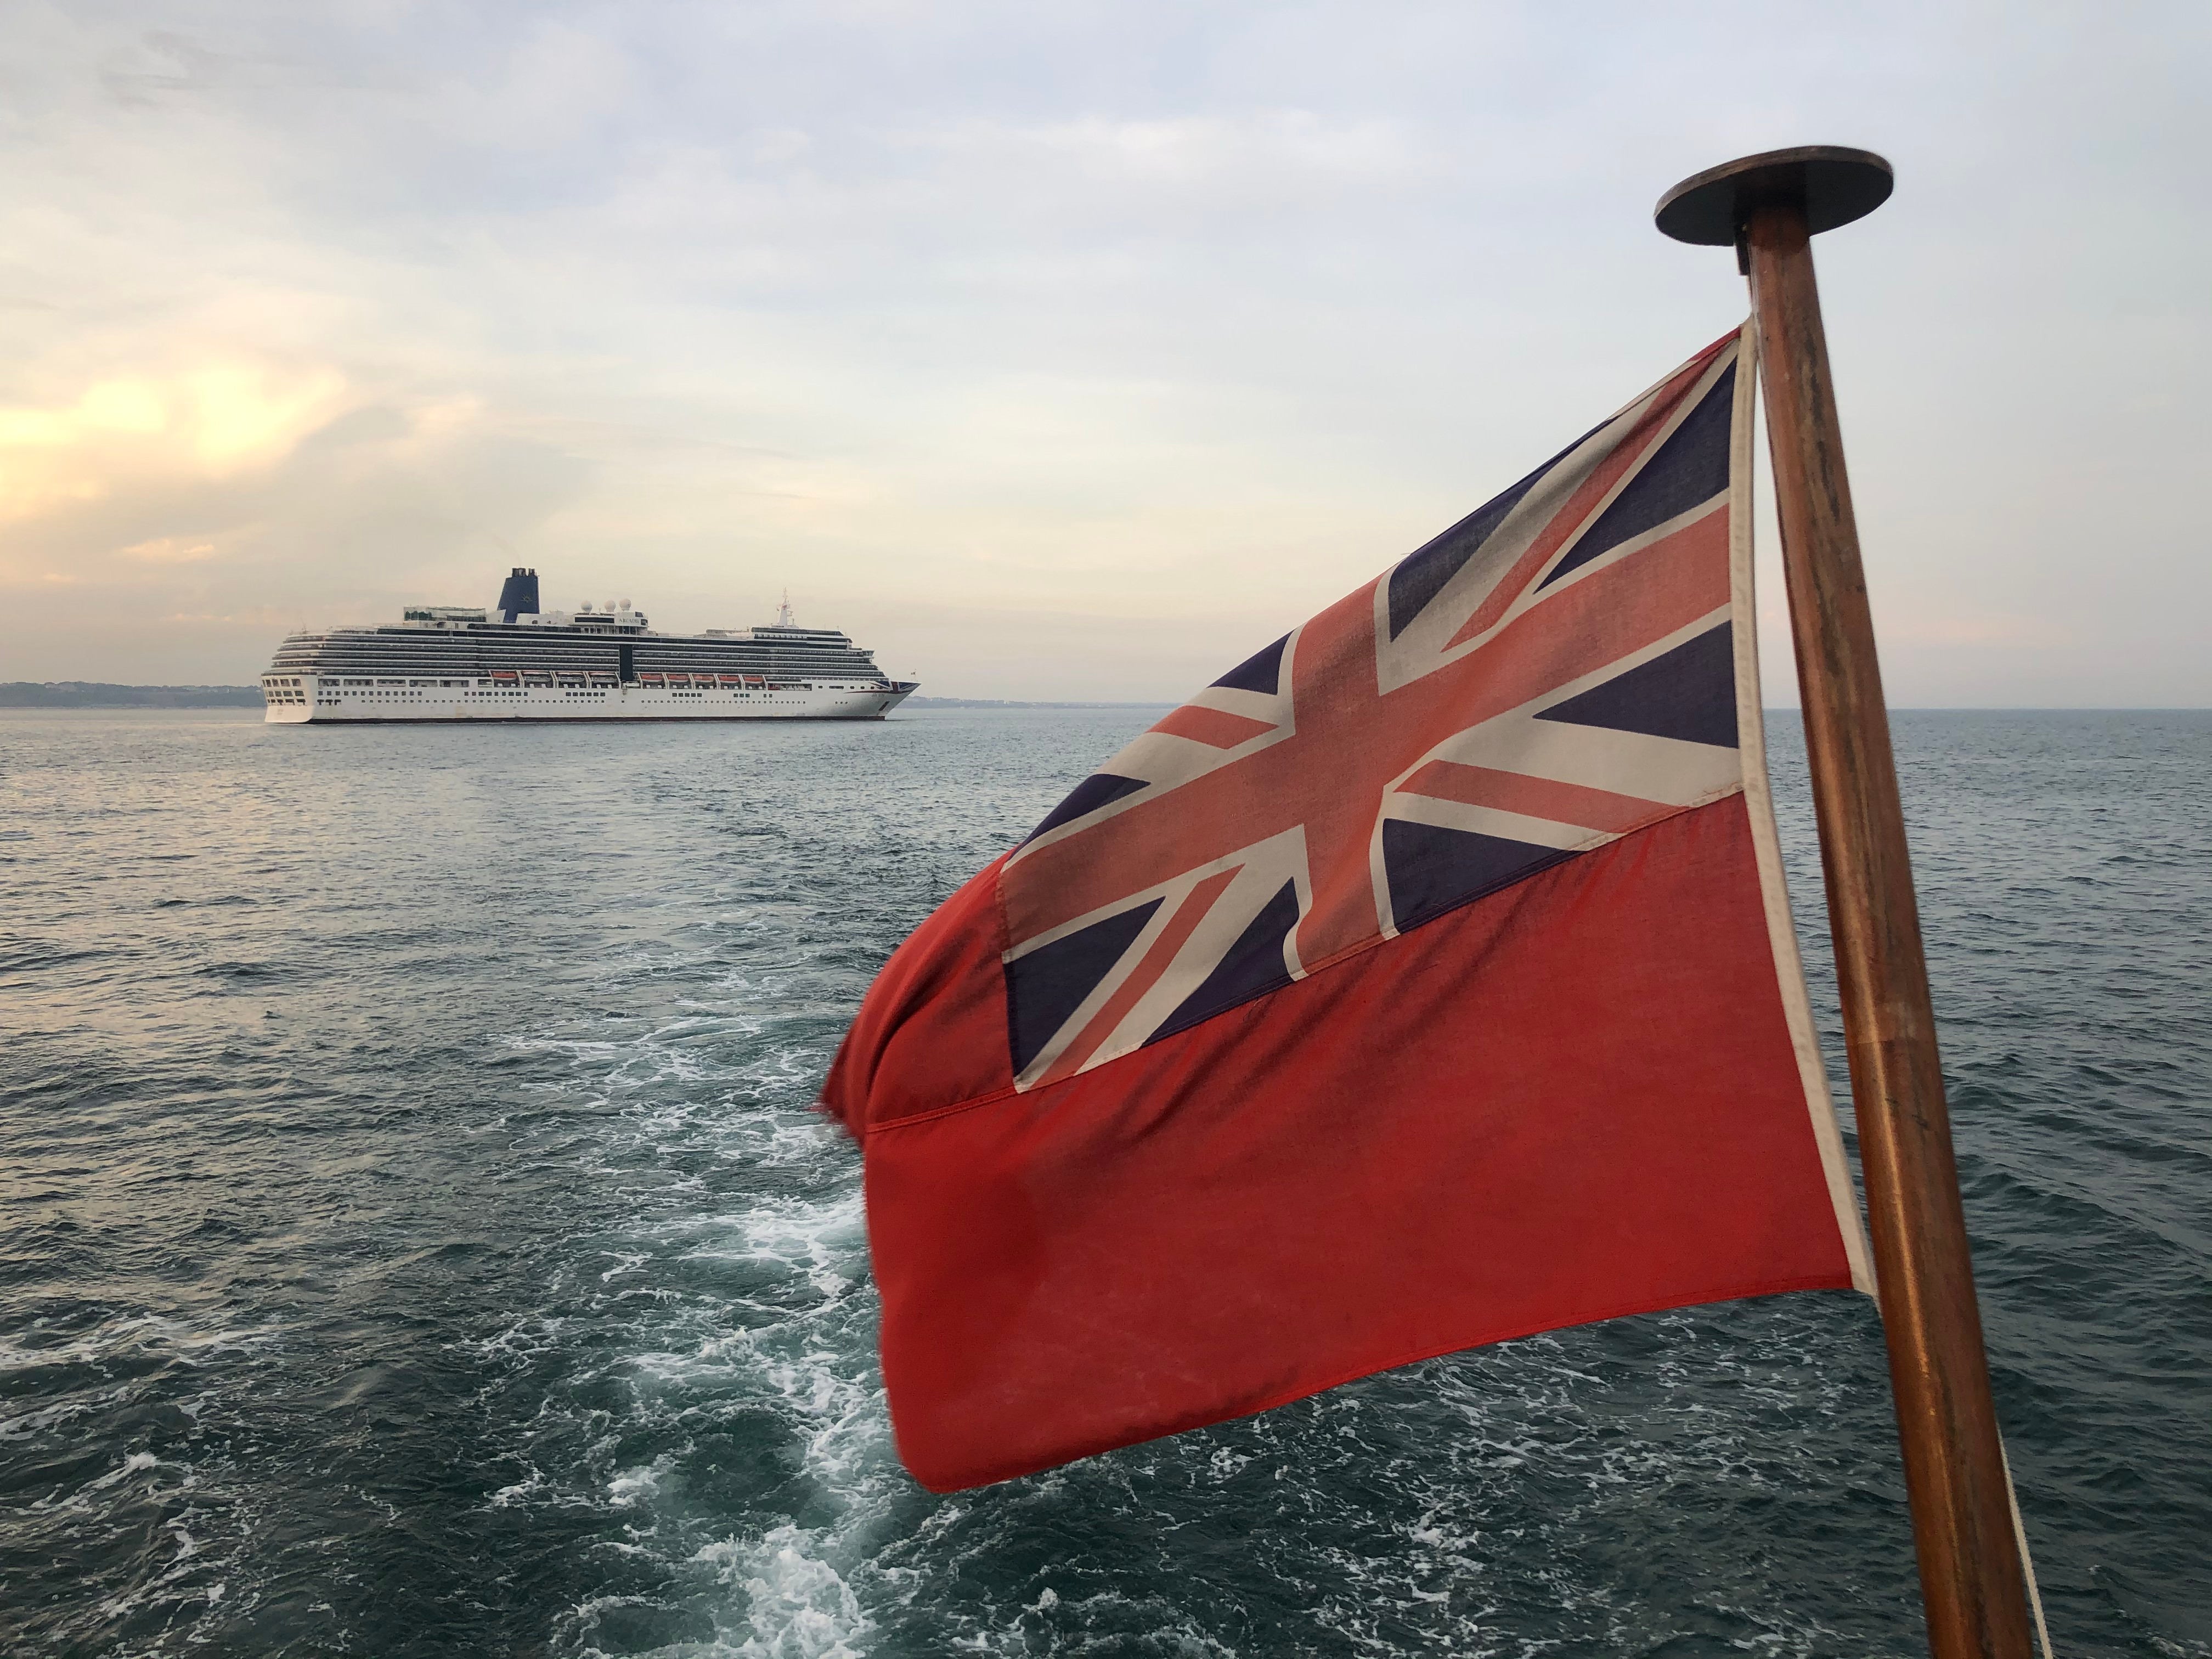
x=1833 y=184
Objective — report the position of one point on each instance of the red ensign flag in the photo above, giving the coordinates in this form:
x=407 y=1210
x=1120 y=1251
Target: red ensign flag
x=1426 y=980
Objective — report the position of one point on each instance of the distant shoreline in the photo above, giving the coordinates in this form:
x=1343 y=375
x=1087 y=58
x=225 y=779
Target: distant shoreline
x=94 y=694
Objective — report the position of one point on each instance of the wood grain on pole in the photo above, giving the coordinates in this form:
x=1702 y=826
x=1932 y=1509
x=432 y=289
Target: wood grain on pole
x=1970 y=1570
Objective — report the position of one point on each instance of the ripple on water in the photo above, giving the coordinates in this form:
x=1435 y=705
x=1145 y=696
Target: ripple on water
x=424 y=1245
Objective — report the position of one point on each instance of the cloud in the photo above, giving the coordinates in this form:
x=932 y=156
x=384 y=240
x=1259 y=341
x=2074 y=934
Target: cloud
x=210 y=421
x=1139 y=323
x=169 y=549
x=1262 y=158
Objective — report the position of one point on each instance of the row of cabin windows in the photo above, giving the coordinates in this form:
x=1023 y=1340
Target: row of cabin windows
x=415 y=675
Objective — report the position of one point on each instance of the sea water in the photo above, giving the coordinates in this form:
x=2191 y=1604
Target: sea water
x=418 y=1241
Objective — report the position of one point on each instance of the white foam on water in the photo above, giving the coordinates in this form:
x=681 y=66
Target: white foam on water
x=729 y=1308
x=638 y=1486
x=797 y=1605
x=800 y=1601
x=27 y=1424
x=1110 y=1621
x=173 y=1338
x=520 y=1492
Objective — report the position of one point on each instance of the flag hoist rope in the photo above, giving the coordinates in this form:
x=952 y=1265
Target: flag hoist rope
x=1972 y=1581
x=2026 y=1561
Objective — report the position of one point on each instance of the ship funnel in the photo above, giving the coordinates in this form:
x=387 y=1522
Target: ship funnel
x=519 y=597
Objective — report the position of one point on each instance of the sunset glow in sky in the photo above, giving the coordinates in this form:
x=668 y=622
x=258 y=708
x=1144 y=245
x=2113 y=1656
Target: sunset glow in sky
x=1060 y=351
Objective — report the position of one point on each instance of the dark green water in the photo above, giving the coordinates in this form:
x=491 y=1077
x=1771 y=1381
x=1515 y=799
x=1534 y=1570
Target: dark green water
x=418 y=1242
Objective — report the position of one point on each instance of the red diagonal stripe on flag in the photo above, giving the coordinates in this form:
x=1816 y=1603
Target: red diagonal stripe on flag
x=1639 y=438
x=1143 y=977
x=1210 y=726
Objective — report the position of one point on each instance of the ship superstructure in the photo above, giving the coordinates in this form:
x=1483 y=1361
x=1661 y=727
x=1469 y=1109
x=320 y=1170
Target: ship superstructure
x=515 y=662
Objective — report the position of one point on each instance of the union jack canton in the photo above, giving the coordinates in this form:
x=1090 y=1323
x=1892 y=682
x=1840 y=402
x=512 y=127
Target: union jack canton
x=1550 y=674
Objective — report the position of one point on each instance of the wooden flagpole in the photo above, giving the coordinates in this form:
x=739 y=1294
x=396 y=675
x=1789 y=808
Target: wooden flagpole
x=1770 y=207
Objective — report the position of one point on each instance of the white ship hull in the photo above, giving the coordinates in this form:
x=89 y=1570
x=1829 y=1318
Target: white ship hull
x=313 y=700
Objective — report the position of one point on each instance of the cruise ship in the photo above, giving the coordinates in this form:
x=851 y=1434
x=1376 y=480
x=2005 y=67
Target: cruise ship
x=516 y=662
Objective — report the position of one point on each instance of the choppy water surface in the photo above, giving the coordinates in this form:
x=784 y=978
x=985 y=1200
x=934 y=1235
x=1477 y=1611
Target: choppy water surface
x=418 y=1242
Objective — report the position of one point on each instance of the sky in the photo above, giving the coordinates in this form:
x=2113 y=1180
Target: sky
x=1060 y=351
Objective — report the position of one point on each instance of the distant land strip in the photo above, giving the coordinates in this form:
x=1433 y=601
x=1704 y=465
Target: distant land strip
x=91 y=694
